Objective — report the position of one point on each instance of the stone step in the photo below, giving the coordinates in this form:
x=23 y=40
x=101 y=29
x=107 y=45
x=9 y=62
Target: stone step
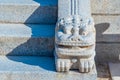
x=115 y=71
x=104 y=7
x=28 y=11
x=107 y=28
x=37 y=68
x=26 y=39
x=39 y=11
x=38 y=39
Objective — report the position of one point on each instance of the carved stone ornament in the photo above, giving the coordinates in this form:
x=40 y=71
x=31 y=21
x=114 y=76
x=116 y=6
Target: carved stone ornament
x=74 y=36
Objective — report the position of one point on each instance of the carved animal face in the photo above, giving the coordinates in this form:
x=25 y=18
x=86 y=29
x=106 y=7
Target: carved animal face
x=75 y=31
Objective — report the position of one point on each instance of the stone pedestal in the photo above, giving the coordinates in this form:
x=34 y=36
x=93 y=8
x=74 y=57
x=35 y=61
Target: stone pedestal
x=75 y=37
x=37 y=68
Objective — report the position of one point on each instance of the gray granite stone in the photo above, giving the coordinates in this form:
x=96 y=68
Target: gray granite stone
x=26 y=39
x=107 y=28
x=105 y=7
x=108 y=52
x=31 y=39
x=67 y=10
x=39 y=11
x=37 y=68
x=28 y=11
x=115 y=71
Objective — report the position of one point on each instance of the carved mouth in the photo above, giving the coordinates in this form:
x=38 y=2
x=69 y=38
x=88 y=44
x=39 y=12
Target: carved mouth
x=84 y=51
x=74 y=47
x=80 y=44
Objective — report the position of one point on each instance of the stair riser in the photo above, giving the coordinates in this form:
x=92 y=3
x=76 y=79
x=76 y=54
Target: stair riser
x=26 y=46
x=43 y=12
x=28 y=14
x=46 y=76
x=37 y=68
x=45 y=47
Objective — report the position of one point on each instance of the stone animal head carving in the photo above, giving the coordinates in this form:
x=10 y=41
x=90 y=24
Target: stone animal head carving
x=75 y=31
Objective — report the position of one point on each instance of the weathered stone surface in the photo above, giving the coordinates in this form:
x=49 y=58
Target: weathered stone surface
x=115 y=71
x=107 y=28
x=19 y=41
x=105 y=6
x=74 y=36
x=74 y=8
x=29 y=39
x=108 y=52
x=28 y=11
x=39 y=11
x=37 y=68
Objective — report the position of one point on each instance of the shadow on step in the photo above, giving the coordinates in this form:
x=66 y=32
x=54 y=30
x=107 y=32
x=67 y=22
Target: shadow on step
x=108 y=43
x=41 y=42
x=37 y=47
x=44 y=13
x=44 y=63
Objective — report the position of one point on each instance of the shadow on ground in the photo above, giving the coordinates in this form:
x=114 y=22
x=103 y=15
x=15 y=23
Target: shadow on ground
x=38 y=47
x=33 y=48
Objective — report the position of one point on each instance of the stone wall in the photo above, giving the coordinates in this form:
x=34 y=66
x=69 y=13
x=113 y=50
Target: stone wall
x=107 y=16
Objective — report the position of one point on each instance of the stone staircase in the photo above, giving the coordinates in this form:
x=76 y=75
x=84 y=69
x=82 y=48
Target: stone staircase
x=27 y=38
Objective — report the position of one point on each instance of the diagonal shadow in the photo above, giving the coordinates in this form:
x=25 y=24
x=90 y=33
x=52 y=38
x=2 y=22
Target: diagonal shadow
x=38 y=46
x=41 y=42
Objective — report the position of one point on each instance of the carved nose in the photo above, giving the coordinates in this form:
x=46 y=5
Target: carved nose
x=75 y=38
x=75 y=31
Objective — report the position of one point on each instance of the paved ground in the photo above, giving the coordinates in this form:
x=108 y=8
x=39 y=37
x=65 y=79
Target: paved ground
x=103 y=71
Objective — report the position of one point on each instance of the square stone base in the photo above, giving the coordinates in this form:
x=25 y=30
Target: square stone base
x=37 y=68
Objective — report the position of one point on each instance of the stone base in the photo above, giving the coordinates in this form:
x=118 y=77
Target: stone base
x=37 y=68
x=115 y=71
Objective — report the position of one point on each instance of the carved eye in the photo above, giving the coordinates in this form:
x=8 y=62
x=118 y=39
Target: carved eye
x=67 y=29
x=84 y=32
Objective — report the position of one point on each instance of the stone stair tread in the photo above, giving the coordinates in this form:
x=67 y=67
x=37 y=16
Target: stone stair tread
x=26 y=63
x=27 y=39
x=36 y=68
x=115 y=71
x=28 y=11
x=27 y=30
x=29 y=2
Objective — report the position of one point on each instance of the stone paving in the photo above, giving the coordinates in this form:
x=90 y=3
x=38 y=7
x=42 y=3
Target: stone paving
x=103 y=71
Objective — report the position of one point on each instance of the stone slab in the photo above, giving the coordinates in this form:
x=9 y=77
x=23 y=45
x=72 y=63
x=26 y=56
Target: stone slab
x=108 y=52
x=37 y=68
x=28 y=11
x=39 y=11
x=38 y=39
x=26 y=39
x=107 y=28
x=106 y=7
x=115 y=71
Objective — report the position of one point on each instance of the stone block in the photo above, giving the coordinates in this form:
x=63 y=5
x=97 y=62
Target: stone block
x=39 y=11
x=105 y=7
x=108 y=52
x=37 y=68
x=115 y=71
x=107 y=28
x=26 y=39
x=28 y=11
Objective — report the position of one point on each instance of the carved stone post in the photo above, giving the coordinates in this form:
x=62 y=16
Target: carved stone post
x=74 y=36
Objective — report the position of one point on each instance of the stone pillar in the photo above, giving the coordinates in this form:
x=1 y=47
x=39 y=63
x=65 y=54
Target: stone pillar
x=74 y=36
